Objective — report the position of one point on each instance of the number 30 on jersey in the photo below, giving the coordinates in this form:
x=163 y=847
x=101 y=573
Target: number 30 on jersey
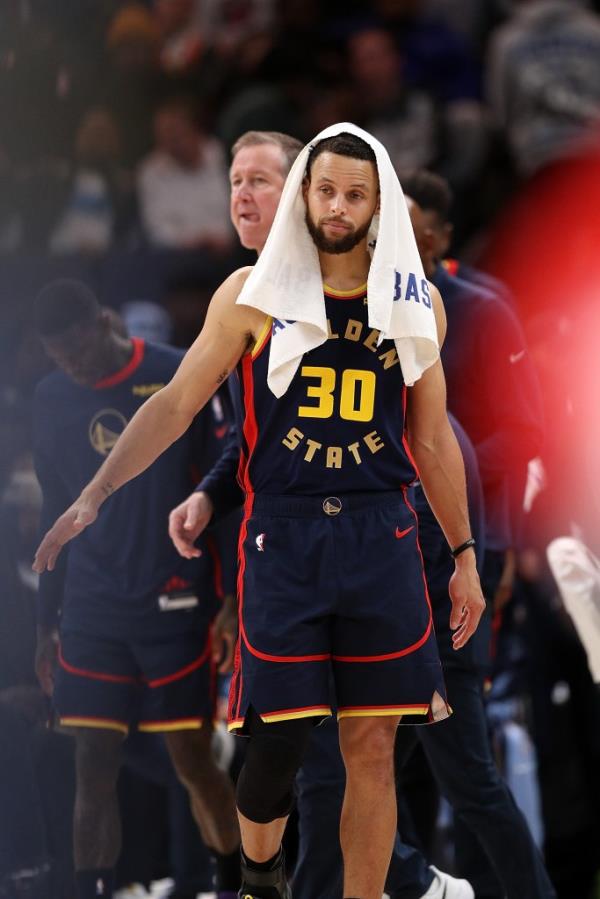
x=356 y=393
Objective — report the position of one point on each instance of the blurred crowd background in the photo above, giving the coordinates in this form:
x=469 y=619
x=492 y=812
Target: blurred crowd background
x=116 y=123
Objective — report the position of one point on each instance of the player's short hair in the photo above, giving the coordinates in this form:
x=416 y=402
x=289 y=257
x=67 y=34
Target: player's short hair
x=62 y=304
x=290 y=146
x=343 y=144
x=430 y=191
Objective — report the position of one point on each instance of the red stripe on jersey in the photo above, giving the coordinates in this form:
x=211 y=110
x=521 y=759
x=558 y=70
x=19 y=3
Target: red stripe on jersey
x=250 y=429
x=388 y=656
x=96 y=675
x=183 y=672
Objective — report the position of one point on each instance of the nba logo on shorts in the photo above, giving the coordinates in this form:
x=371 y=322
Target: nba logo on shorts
x=100 y=887
x=260 y=542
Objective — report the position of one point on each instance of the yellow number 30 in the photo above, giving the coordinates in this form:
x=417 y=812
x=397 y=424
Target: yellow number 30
x=352 y=408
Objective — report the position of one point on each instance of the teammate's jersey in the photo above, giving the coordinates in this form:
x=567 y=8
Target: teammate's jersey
x=339 y=428
x=118 y=565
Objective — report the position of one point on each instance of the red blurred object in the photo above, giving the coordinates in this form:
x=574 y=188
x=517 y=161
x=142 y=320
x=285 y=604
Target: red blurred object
x=546 y=248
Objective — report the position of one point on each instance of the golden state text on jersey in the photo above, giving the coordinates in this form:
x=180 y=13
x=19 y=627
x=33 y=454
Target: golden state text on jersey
x=340 y=426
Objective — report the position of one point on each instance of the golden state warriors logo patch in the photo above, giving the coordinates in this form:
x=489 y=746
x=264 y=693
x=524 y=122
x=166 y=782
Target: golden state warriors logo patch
x=105 y=429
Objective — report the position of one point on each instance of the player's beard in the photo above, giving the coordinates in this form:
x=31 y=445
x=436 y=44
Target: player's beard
x=335 y=245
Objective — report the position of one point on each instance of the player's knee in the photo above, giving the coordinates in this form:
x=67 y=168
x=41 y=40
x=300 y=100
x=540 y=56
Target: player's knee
x=191 y=754
x=369 y=745
x=265 y=789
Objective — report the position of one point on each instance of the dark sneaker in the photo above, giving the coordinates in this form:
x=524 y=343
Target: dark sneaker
x=265 y=884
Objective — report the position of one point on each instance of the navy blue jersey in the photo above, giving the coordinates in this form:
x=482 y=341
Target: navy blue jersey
x=339 y=428
x=494 y=392
x=118 y=565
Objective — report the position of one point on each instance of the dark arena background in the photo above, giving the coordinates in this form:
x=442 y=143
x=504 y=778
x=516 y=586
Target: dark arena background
x=117 y=122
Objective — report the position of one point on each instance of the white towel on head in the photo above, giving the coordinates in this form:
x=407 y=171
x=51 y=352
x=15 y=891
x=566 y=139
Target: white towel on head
x=286 y=282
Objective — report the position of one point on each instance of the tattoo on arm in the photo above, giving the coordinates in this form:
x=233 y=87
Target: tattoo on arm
x=222 y=376
x=107 y=489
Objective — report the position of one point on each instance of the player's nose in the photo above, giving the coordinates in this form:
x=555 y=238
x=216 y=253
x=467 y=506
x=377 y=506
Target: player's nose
x=337 y=205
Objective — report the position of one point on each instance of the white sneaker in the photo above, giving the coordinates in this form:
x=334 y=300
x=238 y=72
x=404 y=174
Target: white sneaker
x=133 y=891
x=161 y=889
x=444 y=886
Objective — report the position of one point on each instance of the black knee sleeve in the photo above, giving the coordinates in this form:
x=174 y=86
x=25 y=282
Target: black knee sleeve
x=265 y=787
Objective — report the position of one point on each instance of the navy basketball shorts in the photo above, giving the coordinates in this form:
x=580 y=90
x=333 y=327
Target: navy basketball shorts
x=157 y=684
x=334 y=585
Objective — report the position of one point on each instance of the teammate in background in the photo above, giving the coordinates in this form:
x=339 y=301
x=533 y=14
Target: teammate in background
x=501 y=408
x=133 y=618
x=272 y=702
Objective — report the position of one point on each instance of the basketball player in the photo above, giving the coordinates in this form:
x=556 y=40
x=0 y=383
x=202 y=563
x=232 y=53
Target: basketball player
x=459 y=752
x=133 y=617
x=260 y=163
x=319 y=580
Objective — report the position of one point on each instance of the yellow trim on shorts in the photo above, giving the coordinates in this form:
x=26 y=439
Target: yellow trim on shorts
x=347 y=294
x=290 y=716
x=266 y=328
x=382 y=713
x=284 y=716
x=100 y=723
x=164 y=727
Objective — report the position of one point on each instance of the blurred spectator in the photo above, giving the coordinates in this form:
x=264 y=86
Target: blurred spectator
x=99 y=202
x=228 y=23
x=405 y=120
x=419 y=127
x=44 y=82
x=183 y=42
x=470 y=18
x=544 y=80
x=186 y=301
x=182 y=185
x=131 y=82
x=147 y=320
x=438 y=60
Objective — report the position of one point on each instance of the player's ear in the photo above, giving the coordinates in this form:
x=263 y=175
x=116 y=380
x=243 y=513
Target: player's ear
x=378 y=207
x=305 y=186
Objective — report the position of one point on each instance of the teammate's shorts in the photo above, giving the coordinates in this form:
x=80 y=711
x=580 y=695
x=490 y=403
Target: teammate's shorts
x=158 y=684
x=334 y=585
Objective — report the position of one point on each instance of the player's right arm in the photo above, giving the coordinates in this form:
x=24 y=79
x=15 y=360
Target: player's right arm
x=228 y=331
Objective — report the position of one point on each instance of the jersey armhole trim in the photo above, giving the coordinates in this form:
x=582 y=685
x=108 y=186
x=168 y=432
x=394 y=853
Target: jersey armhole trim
x=261 y=340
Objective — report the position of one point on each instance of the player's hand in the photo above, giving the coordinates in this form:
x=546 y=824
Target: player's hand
x=187 y=521
x=46 y=657
x=224 y=635
x=76 y=519
x=467 y=599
